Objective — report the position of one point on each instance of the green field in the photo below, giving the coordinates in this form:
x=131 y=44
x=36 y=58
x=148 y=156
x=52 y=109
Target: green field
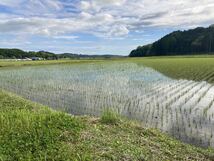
x=12 y=63
x=191 y=68
x=29 y=131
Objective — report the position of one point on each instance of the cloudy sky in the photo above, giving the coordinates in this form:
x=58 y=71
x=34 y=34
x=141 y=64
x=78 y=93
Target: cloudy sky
x=96 y=26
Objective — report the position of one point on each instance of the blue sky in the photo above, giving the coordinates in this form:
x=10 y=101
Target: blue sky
x=96 y=26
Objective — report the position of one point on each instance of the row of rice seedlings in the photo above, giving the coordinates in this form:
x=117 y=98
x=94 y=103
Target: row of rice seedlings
x=190 y=124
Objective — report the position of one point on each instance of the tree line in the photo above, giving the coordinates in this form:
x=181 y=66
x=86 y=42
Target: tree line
x=195 y=41
x=20 y=54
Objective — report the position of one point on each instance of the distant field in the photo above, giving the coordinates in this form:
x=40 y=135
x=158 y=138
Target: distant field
x=191 y=68
x=197 y=68
x=12 y=63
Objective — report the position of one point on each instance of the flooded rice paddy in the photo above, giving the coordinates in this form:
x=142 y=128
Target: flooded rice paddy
x=182 y=108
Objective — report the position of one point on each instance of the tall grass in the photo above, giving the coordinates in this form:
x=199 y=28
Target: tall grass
x=110 y=117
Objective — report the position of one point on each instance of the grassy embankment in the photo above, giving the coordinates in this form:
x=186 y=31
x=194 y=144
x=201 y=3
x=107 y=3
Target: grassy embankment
x=29 y=131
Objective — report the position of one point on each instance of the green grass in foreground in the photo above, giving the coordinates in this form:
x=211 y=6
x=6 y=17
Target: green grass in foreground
x=29 y=131
x=191 y=68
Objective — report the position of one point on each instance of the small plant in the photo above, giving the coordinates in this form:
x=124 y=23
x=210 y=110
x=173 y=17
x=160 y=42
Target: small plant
x=110 y=117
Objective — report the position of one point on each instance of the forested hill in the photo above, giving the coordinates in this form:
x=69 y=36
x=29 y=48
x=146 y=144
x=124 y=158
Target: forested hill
x=195 y=41
x=20 y=54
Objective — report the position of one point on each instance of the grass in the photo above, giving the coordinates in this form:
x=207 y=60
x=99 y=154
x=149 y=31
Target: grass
x=29 y=131
x=110 y=117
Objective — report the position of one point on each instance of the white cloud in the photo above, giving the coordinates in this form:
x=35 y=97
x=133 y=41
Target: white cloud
x=119 y=31
x=66 y=37
x=84 y=5
x=10 y=2
x=97 y=5
x=105 y=18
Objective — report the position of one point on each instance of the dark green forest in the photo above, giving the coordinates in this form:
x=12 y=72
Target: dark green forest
x=20 y=54
x=191 y=42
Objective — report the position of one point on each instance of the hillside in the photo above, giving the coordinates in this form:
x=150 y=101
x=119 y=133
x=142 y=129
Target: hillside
x=20 y=54
x=79 y=56
x=29 y=131
x=195 y=41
